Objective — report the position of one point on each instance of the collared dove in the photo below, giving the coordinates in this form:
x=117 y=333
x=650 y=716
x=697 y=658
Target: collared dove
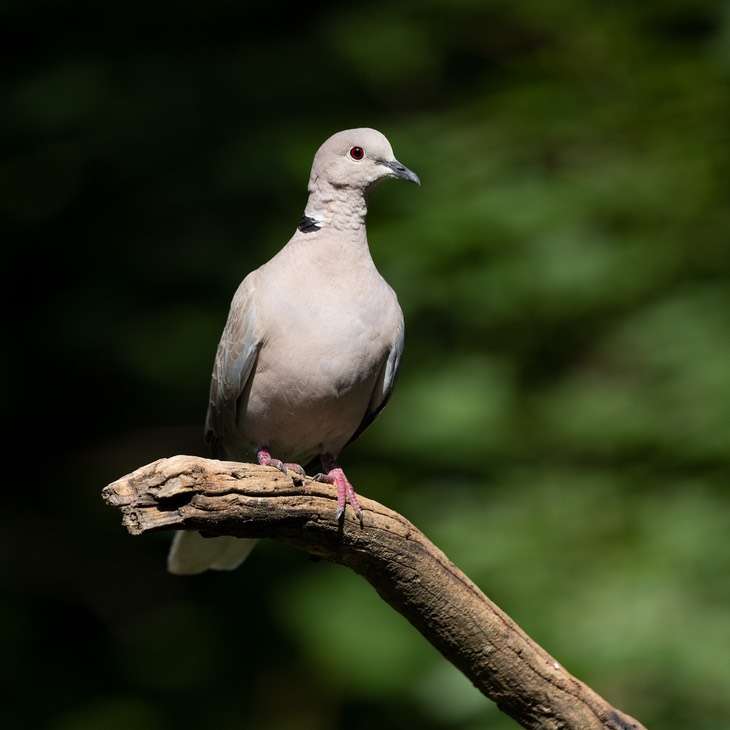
x=311 y=350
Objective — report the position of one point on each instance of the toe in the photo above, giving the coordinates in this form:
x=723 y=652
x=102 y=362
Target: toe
x=296 y=469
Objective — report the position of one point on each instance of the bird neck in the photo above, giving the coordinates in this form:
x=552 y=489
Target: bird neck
x=341 y=208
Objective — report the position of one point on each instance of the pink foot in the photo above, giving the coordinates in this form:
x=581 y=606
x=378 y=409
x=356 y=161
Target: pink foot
x=264 y=458
x=345 y=491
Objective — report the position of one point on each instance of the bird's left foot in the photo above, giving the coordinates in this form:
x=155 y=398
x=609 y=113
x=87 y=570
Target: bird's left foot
x=345 y=491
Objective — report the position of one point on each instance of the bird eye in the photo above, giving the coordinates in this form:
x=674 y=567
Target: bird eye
x=357 y=153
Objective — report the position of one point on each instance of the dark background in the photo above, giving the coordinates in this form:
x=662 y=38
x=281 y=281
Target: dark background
x=561 y=428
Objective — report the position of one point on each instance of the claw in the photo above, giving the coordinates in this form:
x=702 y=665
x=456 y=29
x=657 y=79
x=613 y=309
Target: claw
x=264 y=458
x=280 y=465
x=345 y=490
x=333 y=474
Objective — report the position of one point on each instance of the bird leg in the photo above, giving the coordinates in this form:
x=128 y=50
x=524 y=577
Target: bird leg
x=345 y=491
x=264 y=458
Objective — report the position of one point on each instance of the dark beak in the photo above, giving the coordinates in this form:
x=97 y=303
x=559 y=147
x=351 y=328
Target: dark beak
x=402 y=171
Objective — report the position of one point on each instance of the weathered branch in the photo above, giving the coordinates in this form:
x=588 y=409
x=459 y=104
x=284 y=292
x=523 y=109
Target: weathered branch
x=409 y=572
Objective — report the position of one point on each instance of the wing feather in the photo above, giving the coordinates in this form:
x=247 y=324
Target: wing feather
x=384 y=384
x=234 y=362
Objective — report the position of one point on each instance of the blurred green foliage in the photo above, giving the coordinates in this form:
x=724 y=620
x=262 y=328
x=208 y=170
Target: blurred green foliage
x=561 y=428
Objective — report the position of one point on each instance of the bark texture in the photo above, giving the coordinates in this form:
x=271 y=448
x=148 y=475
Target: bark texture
x=405 y=568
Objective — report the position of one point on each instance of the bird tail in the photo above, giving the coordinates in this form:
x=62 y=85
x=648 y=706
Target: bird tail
x=191 y=553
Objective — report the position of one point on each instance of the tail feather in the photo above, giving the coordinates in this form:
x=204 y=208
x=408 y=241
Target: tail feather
x=191 y=553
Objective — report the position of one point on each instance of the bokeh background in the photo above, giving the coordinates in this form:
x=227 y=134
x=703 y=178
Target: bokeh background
x=561 y=428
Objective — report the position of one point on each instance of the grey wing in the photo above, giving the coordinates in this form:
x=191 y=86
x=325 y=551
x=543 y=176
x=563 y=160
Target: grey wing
x=234 y=363
x=385 y=383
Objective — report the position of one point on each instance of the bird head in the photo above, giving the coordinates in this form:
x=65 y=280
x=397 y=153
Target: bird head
x=357 y=158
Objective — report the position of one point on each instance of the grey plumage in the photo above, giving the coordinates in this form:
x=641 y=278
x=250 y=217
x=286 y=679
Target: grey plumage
x=311 y=350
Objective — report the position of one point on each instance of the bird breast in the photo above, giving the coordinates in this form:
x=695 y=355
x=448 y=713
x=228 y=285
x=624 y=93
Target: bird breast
x=317 y=369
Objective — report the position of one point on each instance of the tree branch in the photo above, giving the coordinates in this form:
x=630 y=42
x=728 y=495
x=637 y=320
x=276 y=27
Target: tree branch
x=408 y=571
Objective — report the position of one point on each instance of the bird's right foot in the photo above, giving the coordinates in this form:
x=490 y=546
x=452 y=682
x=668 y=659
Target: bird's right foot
x=264 y=458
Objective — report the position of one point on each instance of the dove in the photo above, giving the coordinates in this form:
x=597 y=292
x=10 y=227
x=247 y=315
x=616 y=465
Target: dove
x=311 y=350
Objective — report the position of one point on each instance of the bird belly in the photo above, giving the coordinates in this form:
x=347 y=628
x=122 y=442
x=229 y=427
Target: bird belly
x=298 y=413
x=315 y=376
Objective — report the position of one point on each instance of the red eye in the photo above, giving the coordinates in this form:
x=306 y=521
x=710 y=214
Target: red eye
x=356 y=153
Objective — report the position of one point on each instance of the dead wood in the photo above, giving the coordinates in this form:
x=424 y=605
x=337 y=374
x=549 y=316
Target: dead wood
x=408 y=571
